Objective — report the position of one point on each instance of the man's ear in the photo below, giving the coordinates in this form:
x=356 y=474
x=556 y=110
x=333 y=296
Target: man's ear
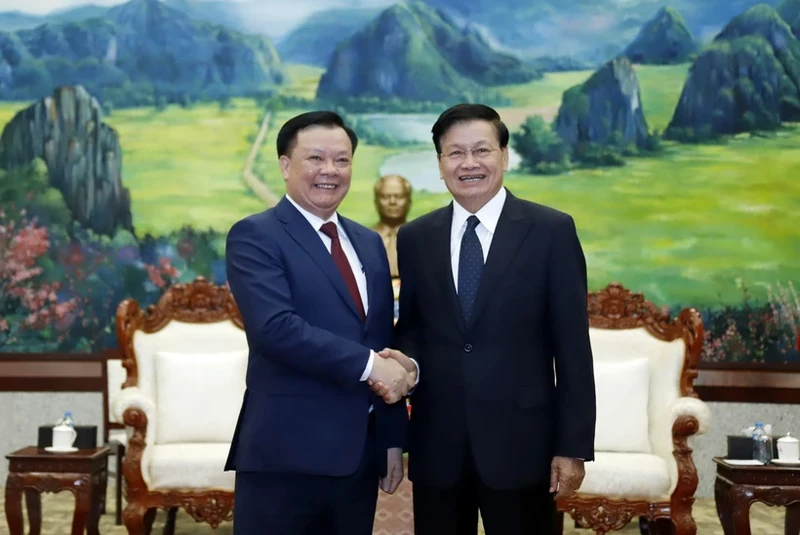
x=284 y=163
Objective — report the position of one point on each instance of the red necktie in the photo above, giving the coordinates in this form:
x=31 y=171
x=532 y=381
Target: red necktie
x=340 y=259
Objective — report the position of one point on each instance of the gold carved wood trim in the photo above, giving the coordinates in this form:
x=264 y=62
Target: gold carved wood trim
x=616 y=307
x=197 y=302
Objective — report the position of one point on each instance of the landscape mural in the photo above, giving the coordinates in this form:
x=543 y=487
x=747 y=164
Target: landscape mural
x=135 y=134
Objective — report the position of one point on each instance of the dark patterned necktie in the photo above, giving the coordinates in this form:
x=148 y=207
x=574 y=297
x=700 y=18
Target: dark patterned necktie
x=470 y=268
x=340 y=259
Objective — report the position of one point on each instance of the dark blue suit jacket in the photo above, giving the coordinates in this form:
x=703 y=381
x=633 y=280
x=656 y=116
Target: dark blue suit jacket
x=305 y=409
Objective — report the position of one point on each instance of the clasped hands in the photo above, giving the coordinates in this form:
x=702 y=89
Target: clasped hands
x=393 y=375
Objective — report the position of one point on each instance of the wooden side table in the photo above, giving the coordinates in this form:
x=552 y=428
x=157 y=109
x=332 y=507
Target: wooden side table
x=738 y=487
x=33 y=471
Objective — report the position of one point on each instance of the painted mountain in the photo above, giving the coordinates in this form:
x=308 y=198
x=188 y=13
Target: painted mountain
x=415 y=52
x=789 y=10
x=747 y=79
x=314 y=40
x=137 y=52
x=588 y=30
x=16 y=20
x=663 y=40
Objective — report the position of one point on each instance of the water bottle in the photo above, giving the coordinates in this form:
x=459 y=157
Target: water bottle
x=67 y=420
x=762 y=444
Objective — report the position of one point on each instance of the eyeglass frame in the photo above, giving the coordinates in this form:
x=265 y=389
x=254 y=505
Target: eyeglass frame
x=461 y=158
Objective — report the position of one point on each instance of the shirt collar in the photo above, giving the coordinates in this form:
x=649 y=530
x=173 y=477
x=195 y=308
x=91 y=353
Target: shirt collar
x=315 y=221
x=489 y=214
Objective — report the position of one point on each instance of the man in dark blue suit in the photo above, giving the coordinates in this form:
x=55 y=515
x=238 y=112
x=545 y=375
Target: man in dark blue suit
x=313 y=442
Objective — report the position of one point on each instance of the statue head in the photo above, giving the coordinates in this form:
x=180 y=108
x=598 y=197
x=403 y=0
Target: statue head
x=393 y=199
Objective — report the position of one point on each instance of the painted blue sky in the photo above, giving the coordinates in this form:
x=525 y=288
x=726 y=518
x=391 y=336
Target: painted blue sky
x=41 y=7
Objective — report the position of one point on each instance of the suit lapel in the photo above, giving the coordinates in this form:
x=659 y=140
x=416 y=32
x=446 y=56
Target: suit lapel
x=361 y=246
x=441 y=262
x=307 y=237
x=512 y=228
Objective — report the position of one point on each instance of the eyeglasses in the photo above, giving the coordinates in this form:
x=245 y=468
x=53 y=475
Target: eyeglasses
x=481 y=153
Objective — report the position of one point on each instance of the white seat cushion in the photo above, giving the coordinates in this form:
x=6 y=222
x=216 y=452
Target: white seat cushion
x=198 y=395
x=622 y=390
x=193 y=466
x=627 y=475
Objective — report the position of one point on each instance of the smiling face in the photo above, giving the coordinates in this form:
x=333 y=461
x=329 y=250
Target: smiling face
x=472 y=163
x=317 y=171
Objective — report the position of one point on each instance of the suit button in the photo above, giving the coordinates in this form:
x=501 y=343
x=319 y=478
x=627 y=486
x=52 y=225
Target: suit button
x=468 y=348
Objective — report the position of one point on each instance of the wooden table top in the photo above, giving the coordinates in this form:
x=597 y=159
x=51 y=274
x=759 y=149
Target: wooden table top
x=32 y=452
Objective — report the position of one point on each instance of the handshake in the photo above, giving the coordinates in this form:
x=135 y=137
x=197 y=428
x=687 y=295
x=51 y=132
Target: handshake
x=393 y=375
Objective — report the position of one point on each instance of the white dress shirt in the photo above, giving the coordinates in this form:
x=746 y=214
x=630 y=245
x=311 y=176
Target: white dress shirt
x=488 y=215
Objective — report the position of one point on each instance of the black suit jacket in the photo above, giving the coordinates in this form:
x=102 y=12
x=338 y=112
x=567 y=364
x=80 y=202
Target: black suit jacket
x=492 y=382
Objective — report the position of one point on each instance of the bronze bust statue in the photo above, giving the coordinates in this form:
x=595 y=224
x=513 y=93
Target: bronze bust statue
x=393 y=202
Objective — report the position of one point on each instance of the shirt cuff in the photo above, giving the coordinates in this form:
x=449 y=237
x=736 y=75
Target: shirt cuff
x=368 y=369
x=417 y=365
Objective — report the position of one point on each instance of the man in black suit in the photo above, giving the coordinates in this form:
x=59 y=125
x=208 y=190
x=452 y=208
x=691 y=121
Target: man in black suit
x=493 y=306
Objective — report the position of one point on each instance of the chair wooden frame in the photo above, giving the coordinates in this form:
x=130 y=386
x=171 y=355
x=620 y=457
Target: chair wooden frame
x=615 y=307
x=196 y=302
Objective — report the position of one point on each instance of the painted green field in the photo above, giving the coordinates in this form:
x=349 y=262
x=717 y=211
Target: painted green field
x=685 y=226
x=185 y=166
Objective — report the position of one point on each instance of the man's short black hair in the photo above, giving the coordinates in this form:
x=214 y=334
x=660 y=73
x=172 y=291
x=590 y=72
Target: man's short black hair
x=468 y=112
x=287 y=136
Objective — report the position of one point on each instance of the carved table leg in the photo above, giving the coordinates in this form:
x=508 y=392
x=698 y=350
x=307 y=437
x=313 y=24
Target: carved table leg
x=792 y=521
x=83 y=507
x=740 y=498
x=722 y=499
x=33 y=502
x=13 y=504
x=96 y=509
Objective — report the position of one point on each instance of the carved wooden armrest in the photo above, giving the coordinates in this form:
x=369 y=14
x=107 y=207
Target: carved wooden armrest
x=136 y=410
x=132 y=397
x=690 y=416
x=684 y=407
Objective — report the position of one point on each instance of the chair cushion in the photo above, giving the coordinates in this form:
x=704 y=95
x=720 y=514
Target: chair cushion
x=622 y=389
x=198 y=395
x=190 y=466
x=627 y=475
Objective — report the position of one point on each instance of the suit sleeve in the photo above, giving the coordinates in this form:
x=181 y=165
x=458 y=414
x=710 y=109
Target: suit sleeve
x=394 y=431
x=257 y=278
x=407 y=326
x=567 y=302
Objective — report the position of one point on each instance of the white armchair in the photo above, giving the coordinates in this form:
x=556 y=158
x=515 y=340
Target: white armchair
x=186 y=361
x=644 y=364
